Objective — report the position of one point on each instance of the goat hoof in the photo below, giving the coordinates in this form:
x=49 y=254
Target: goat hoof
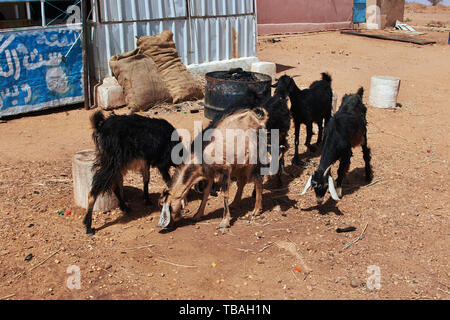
x=125 y=209
x=90 y=232
x=167 y=229
x=247 y=217
x=223 y=225
x=256 y=213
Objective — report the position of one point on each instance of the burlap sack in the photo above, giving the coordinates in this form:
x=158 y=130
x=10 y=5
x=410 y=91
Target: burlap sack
x=179 y=81
x=138 y=75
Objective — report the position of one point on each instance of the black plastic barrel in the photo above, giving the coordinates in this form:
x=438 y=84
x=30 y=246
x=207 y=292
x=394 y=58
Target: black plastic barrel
x=226 y=90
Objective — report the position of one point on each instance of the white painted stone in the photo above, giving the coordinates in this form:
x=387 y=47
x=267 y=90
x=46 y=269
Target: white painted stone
x=224 y=65
x=268 y=68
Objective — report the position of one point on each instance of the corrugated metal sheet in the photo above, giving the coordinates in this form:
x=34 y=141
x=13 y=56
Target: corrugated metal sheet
x=214 y=8
x=138 y=10
x=204 y=30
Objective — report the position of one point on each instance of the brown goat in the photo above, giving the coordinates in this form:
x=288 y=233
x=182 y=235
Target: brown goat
x=213 y=166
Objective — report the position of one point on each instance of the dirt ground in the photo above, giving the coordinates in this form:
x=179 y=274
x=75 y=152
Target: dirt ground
x=417 y=14
x=403 y=216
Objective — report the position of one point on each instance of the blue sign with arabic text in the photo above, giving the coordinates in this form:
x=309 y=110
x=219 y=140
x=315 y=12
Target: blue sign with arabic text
x=40 y=68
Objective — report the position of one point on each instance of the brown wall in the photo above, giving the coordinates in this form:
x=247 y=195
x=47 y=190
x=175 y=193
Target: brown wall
x=394 y=10
x=283 y=16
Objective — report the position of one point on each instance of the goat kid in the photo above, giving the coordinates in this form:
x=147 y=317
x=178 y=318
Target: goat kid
x=127 y=142
x=345 y=130
x=308 y=106
x=243 y=171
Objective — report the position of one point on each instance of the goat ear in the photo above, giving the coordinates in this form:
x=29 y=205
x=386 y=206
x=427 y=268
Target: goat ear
x=332 y=190
x=308 y=185
x=360 y=92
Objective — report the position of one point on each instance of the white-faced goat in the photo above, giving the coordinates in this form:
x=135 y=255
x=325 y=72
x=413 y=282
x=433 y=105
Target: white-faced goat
x=127 y=142
x=345 y=130
x=308 y=106
x=212 y=162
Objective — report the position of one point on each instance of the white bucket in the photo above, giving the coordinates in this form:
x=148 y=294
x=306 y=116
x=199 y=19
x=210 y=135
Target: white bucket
x=268 y=68
x=384 y=91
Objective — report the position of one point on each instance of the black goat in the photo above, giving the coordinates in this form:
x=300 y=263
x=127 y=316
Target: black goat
x=345 y=130
x=308 y=106
x=279 y=119
x=127 y=142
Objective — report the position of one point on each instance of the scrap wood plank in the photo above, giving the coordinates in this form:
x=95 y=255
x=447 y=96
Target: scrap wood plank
x=378 y=36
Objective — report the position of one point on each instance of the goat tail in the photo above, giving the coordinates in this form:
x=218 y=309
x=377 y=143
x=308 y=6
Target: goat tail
x=97 y=120
x=360 y=92
x=326 y=76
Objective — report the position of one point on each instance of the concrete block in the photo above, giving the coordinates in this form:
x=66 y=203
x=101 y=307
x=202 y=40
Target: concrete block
x=110 y=94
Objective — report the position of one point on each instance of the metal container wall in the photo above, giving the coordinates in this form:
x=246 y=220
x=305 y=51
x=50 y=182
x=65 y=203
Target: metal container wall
x=204 y=30
x=222 y=94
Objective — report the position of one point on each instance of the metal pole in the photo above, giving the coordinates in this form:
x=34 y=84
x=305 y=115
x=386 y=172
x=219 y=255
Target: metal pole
x=85 y=35
x=43 y=12
x=16 y=11
x=27 y=5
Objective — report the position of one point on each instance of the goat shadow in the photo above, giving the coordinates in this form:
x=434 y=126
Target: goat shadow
x=326 y=207
x=134 y=199
x=353 y=181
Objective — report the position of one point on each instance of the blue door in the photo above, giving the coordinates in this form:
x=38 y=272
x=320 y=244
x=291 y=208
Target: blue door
x=359 y=11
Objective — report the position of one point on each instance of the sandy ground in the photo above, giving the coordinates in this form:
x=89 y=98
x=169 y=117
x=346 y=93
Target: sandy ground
x=405 y=210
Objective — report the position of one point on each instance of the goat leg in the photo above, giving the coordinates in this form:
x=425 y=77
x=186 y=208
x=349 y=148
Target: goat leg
x=241 y=182
x=258 y=201
x=309 y=133
x=295 y=160
x=206 y=191
x=165 y=174
x=118 y=191
x=87 y=221
x=344 y=165
x=367 y=157
x=319 y=135
x=146 y=179
x=225 y=223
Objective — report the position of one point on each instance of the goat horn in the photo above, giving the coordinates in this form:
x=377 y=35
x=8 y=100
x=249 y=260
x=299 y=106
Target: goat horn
x=308 y=185
x=295 y=76
x=164 y=219
x=327 y=170
x=332 y=190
